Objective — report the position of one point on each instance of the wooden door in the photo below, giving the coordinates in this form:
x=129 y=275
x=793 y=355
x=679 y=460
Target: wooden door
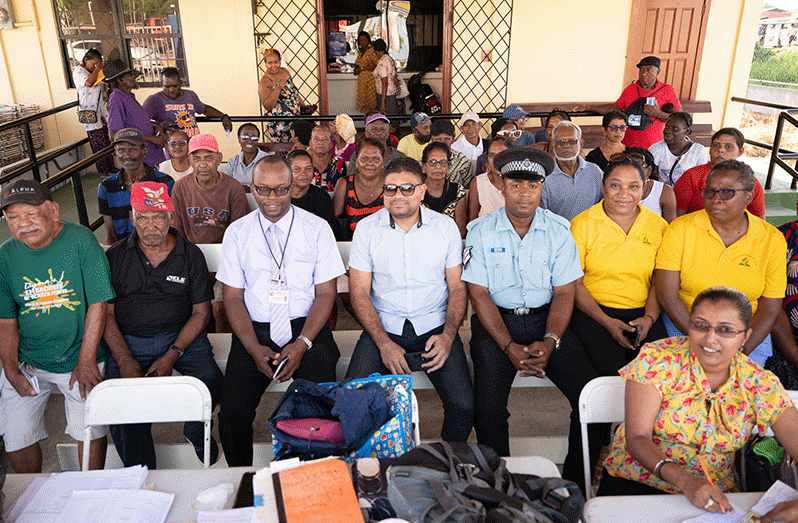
x=672 y=30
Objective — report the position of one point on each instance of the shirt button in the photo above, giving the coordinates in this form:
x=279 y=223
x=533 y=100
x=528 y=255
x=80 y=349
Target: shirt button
x=523 y=294
x=521 y=271
x=497 y=265
x=545 y=262
x=521 y=247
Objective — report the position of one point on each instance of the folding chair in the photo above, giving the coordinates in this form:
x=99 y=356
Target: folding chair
x=415 y=417
x=148 y=400
x=601 y=401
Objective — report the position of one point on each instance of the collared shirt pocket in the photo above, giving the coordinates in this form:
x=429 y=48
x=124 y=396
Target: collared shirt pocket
x=502 y=268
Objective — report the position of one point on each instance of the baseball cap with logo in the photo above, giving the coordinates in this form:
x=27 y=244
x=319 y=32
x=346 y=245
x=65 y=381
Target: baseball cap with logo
x=418 y=119
x=514 y=111
x=377 y=116
x=130 y=135
x=150 y=196
x=24 y=191
x=203 y=141
x=470 y=116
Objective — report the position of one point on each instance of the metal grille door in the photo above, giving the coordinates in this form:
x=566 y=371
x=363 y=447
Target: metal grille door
x=480 y=54
x=290 y=27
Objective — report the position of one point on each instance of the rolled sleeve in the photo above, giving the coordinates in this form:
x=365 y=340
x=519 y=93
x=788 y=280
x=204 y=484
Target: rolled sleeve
x=231 y=273
x=566 y=263
x=474 y=268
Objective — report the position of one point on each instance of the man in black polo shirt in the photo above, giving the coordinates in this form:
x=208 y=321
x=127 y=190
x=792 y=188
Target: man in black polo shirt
x=157 y=321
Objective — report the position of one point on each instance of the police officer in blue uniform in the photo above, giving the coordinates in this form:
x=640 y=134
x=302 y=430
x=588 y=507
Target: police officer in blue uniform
x=521 y=264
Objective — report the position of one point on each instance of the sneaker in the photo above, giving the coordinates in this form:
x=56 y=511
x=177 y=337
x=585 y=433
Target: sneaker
x=200 y=450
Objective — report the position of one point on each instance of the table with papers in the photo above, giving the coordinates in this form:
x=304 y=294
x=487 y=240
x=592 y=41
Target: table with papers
x=184 y=484
x=673 y=508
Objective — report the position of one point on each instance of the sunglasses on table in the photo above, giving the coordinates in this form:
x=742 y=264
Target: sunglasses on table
x=407 y=189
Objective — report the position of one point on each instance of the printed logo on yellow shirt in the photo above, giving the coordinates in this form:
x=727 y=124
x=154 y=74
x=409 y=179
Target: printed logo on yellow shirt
x=41 y=296
x=746 y=260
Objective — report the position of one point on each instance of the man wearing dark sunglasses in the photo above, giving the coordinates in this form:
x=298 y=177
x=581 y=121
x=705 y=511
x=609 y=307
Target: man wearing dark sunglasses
x=405 y=286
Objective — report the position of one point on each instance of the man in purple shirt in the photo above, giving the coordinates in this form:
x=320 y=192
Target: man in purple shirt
x=125 y=111
x=175 y=106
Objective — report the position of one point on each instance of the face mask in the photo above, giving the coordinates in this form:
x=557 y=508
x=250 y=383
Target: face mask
x=424 y=138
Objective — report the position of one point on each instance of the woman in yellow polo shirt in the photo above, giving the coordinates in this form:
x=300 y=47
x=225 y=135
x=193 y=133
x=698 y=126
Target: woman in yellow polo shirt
x=617 y=240
x=724 y=244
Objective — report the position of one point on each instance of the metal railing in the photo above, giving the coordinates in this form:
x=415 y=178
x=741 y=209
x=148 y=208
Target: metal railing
x=35 y=161
x=778 y=155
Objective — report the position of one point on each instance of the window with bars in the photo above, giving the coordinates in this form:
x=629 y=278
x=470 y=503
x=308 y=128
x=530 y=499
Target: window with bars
x=145 y=34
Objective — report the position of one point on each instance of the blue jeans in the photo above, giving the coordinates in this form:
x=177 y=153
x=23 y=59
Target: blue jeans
x=759 y=355
x=134 y=441
x=452 y=381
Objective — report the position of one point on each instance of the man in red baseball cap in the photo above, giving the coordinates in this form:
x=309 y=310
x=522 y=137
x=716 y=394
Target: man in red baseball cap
x=157 y=321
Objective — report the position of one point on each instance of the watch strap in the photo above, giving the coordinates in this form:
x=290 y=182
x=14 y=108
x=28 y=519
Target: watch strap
x=555 y=338
x=178 y=350
x=306 y=340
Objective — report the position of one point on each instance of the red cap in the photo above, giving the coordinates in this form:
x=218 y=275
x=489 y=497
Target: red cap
x=203 y=141
x=150 y=196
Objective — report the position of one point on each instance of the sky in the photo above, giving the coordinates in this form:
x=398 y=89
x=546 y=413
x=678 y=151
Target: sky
x=790 y=5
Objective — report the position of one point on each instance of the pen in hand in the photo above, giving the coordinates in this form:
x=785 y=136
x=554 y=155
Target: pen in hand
x=706 y=474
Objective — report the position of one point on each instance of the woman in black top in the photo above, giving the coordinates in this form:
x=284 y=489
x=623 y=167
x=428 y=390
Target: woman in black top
x=442 y=195
x=307 y=196
x=614 y=123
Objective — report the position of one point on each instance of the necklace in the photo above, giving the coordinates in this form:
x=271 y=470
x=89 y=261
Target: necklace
x=372 y=189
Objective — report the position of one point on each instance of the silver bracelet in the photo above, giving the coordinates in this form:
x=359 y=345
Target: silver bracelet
x=306 y=340
x=660 y=465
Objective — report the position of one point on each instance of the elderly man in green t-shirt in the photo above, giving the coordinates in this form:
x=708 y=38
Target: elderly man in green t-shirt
x=54 y=285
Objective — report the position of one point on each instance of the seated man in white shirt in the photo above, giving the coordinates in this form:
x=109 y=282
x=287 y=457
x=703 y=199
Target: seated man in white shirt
x=404 y=281
x=471 y=144
x=240 y=166
x=279 y=269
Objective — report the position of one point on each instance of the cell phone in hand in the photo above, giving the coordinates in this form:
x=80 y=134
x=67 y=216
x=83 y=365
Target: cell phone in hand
x=414 y=360
x=279 y=368
x=638 y=338
x=634 y=337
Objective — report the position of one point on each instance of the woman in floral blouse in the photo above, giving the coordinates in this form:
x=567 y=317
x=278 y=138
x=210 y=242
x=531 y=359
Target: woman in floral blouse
x=692 y=399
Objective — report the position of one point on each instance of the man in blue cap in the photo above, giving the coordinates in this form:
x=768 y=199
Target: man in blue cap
x=413 y=144
x=515 y=113
x=521 y=265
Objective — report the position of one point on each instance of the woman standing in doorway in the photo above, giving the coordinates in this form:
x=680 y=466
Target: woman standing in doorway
x=365 y=64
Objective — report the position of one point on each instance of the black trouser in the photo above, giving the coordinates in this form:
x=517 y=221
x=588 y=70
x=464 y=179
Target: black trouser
x=244 y=386
x=568 y=368
x=452 y=381
x=606 y=354
x=612 y=486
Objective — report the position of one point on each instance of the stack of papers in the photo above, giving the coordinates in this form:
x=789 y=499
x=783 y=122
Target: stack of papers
x=776 y=494
x=101 y=496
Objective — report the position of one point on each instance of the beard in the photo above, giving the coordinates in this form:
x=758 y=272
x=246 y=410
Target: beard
x=423 y=138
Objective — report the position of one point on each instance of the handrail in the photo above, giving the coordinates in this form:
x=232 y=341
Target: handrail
x=762 y=103
x=41 y=114
x=51 y=155
x=776 y=157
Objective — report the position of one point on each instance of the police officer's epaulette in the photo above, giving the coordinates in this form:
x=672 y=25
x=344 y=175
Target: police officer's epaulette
x=475 y=221
x=556 y=218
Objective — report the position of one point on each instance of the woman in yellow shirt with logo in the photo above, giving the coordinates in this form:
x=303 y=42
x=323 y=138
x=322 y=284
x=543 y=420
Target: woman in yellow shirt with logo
x=724 y=244
x=616 y=308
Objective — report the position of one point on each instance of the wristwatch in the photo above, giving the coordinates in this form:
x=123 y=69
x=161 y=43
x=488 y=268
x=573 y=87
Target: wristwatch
x=178 y=350
x=306 y=340
x=554 y=337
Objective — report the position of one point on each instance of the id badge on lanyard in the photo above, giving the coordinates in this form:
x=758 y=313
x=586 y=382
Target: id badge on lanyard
x=278 y=293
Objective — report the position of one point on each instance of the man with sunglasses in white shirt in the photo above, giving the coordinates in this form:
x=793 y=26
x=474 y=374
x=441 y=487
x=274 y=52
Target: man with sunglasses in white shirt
x=240 y=166
x=279 y=268
x=405 y=286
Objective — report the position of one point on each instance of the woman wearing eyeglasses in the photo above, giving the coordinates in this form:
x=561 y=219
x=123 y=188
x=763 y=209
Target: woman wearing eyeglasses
x=724 y=244
x=616 y=306
x=442 y=195
x=485 y=190
x=360 y=194
x=677 y=153
x=691 y=403
x=614 y=123
x=178 y=165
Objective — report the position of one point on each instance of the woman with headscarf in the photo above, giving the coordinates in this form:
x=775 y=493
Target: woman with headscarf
x=343 y=135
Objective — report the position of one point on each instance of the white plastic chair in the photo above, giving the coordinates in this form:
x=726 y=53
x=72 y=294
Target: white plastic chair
x=415 y=417
x=148 y=400
x=601 y=401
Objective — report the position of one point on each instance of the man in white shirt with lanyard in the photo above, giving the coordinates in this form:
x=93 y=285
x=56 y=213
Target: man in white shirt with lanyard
x=279 y=269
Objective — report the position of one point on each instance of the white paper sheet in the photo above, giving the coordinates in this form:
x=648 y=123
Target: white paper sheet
x=54 y=494
x=236 y=515
x=776 y=494
x=116 y=506
x=735 y=516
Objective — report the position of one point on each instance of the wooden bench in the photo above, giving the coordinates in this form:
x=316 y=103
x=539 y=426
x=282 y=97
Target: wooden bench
x=593 y=135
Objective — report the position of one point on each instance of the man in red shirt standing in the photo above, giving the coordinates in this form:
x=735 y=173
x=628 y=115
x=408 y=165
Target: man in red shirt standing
x=647 y=104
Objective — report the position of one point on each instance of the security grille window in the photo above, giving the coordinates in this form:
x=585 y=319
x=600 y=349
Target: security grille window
x=145 y=34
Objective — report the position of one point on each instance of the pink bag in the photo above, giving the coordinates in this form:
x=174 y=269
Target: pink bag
x=313 y=429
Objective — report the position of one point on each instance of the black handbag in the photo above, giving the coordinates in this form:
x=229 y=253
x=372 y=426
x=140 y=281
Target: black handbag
x=757 y=473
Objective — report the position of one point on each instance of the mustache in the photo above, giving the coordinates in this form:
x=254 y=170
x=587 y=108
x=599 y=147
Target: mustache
x=24 y=230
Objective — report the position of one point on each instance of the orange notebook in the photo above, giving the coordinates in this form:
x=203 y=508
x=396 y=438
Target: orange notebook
x=319 y=492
